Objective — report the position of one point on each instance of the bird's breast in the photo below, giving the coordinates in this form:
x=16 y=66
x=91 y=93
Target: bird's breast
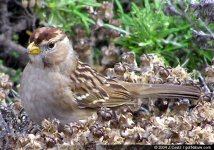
x=46 y=94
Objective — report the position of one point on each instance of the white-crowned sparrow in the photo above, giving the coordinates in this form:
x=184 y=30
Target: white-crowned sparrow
x=55 y=84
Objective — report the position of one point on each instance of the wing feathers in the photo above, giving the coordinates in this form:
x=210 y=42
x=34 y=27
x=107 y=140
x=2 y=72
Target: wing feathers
x=99 y=90
x=93 y=90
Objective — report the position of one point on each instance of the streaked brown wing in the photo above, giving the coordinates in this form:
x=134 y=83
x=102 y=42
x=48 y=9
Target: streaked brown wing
x=93 y=90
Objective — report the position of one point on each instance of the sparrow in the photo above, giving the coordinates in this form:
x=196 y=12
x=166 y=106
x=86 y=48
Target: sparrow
x=56 y=84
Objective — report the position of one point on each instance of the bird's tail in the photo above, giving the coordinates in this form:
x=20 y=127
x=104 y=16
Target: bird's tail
x=163 y=90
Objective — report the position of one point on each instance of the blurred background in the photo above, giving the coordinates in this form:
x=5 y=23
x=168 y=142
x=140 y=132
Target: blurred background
x=181 y=32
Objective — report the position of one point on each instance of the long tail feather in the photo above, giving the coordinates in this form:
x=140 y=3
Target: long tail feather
x=163 y=90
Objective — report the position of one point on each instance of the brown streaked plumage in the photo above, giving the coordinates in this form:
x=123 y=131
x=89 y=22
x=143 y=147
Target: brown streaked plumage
x=44 y=33
x=57 y=85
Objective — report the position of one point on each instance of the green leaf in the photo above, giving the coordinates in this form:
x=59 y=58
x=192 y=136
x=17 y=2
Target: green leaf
x=120 y=8
x=116 y=28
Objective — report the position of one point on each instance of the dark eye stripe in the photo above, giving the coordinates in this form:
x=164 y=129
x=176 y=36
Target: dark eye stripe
x=47 y=46
x=58 y=40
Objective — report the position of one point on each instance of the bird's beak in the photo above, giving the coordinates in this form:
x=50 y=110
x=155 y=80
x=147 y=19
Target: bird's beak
x=33 y=49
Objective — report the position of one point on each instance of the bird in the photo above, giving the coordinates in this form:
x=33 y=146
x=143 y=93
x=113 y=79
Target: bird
x=55 y=84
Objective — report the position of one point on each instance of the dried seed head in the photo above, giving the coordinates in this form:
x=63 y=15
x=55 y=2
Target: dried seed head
x=50 y=142
x=173 y=80
x=72 y=129
x=152 y=56
x=144 y=60
x=97 y=131
x=4 y=82
x=82 y=46
x=50 y=126
x=110 y=73
x=161 y=104
x=130 y=77
x=129 y=60
x=107 y=10
x=67 y=130
x=163 y=72
x=124 y=109
x=110 y=55
x=189 y=82
x=105 y=113
x=126 y=121
x=128 y=57
x=80 y=32
x=156 y=68
x=119 y=69
x=155 y=80
x=180 y=73
x=135 y=134
x=209 y=71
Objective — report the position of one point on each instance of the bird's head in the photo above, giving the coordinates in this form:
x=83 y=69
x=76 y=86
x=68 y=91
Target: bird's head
x=49 y=46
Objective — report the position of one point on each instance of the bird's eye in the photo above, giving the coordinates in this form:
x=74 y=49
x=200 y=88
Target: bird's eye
x=51 y=45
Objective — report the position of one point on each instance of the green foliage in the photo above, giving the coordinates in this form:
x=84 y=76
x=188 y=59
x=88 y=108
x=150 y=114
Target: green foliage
x=146 y=28
x=66 y=13
x=151 y=31
x=1 y=62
